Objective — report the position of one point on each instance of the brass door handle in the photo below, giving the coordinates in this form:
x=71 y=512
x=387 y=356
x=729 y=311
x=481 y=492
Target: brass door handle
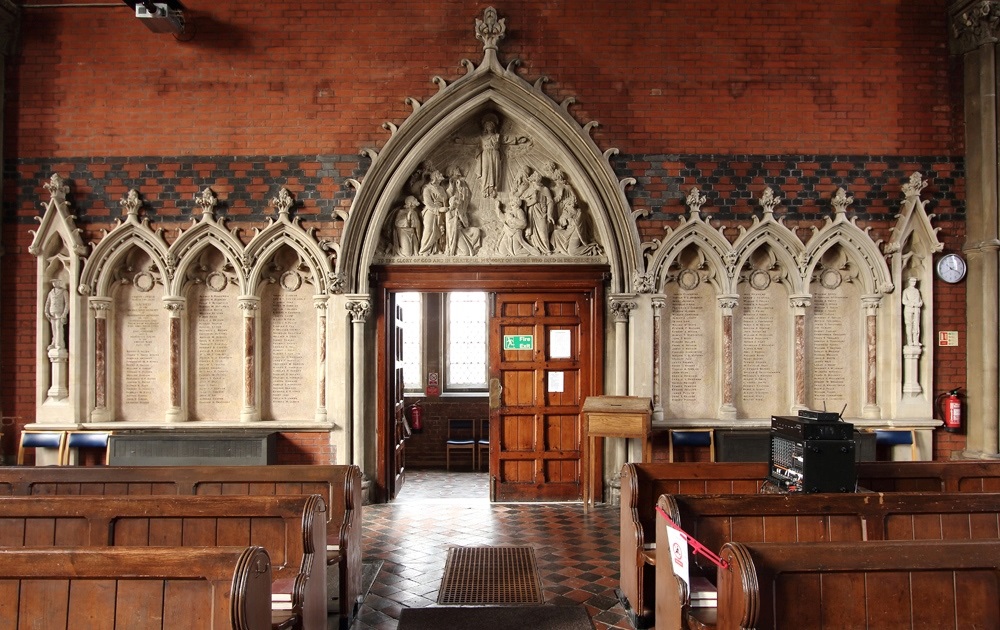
x=495 y=390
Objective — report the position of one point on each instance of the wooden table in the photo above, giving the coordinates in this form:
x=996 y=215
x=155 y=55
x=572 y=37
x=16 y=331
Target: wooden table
x=612 y=416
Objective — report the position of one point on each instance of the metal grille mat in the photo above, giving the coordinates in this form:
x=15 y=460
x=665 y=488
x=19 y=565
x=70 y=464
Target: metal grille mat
x=490 y=575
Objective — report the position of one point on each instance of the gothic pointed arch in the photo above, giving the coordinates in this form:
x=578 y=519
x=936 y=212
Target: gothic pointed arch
x=116 y=245
x=511 y=151
x=205 y=236
x=694 y=231
x=776 y=238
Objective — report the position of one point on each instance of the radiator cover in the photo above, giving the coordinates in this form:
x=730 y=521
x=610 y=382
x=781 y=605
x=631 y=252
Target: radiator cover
x=192 y=449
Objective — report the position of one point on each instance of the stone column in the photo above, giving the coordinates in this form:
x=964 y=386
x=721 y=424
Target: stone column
x=177 y=411
x=728 y=410
x=799 y=304
x=975 y=29
x=100 y=308
x=360 y=308
x=249 y=304
x=871 y=409
x=658 y=302
x=621 y=308
x=320 y=302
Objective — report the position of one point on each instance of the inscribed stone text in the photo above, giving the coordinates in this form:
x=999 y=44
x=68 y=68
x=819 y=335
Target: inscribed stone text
x=831 y=345
x=218 y=329
x=689 y=338
x=142 y=358
x=289 y=354
x=760 y=366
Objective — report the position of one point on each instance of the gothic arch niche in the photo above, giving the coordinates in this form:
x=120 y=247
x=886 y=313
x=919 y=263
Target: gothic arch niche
x=138 y=360
x=835 y=334
x=503 y=149
x=763 y=338
x=289 y=378
x=692 y=387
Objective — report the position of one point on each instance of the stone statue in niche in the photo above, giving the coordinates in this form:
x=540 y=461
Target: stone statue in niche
x=407 y=233
x=912 y=303
x=56 y=311
x=435 y=199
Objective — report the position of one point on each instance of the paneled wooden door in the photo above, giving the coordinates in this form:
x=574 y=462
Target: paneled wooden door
x=541 y=355
x=399 y=428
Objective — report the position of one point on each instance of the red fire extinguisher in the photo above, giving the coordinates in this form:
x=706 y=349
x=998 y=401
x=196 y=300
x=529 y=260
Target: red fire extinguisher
x=950 y=406
x=416 y=416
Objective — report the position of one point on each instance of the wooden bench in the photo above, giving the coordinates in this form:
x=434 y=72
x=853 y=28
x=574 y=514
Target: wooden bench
x=340 y=486
x=963 y=476
x=291 y=528
x=891 y=584
x=714 y=520
x=641 y=485
x=151 y=588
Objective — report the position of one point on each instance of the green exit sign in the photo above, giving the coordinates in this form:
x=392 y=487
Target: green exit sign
x=518 y=342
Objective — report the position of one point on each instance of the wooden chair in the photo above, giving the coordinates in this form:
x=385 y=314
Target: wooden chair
x=36 y=438
x=86 y=439
x=691 y=437
x=483 y=443
x=461 y=437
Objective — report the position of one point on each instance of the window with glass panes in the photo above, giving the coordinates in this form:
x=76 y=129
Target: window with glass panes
x=466 y=341
x=410 y=305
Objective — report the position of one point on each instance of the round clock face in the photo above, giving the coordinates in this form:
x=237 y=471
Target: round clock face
x=951 y=268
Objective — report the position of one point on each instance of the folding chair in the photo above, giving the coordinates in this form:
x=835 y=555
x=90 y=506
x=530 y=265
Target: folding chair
x=36 y=438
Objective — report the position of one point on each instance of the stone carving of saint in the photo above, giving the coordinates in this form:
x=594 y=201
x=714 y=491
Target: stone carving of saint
x=435 y=199
x=490 y=155
x=540 y=210
x=460 y=238
x=406 y=237
x=512 y=241
x=56 y=310
x=912 y=303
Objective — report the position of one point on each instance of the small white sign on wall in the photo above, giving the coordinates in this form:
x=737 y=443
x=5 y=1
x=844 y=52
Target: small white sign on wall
x=560 y=344
x=947 y=337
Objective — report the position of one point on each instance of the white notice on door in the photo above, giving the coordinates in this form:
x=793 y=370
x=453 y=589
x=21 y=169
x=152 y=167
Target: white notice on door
x=560 y=344
x=555 y=381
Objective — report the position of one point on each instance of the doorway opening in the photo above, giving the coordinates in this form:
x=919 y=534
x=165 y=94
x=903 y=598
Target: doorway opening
x=543 y=356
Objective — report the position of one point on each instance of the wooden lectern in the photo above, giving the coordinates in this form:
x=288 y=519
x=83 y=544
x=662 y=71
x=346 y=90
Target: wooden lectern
x=612 y=416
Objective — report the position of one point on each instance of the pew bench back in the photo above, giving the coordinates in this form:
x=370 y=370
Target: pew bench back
x=892 y=584
x=149 y=589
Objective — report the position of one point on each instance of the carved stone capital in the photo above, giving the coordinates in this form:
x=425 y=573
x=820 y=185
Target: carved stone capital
x=175 y=306
x=800 y=301
x=621 y=307
x=658 y=302
x=100 y=306
x=973 y=23
x=727 y=303
x=320 y=303
x=249 y=304
x=871 y=303
x=360 y=310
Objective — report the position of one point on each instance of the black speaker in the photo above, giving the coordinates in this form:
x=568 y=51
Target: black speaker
x=812 y=455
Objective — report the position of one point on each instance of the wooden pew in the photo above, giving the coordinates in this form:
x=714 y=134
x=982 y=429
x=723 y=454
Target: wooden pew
x=291 y=528
x=340 y=486
x=890 y=584
x=962 y=476
x=641 y=485
x=714 y=520
x=151 y=588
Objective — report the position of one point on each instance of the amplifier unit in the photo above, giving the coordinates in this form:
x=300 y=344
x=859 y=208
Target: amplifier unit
x=812 y=454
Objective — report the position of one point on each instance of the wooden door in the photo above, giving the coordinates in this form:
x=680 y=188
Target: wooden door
x=398 y=428
x=541 y=356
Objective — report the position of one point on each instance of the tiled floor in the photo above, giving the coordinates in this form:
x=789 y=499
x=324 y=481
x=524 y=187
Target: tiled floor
x=576 y=553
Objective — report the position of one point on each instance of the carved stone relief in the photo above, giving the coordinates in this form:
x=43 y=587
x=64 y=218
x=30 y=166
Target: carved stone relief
x=490 y=192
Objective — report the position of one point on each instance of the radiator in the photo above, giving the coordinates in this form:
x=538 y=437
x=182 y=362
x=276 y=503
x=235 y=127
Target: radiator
x=192 y=449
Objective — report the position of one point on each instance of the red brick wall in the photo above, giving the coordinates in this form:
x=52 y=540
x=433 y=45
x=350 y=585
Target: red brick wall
x=670 y=83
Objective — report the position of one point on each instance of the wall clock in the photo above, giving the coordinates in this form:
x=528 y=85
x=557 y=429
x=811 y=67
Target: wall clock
x=951 y=268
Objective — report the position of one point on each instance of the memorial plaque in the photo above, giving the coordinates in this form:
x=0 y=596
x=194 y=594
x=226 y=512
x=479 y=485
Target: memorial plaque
x=761 y=351
x=833 y=349
x=691 y=358
x=288 y=330
x=140 y=358
x=216 y=365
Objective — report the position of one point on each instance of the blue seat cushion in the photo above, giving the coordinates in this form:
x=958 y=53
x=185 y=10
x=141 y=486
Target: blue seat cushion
x=691 y=438
x=892 y=438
